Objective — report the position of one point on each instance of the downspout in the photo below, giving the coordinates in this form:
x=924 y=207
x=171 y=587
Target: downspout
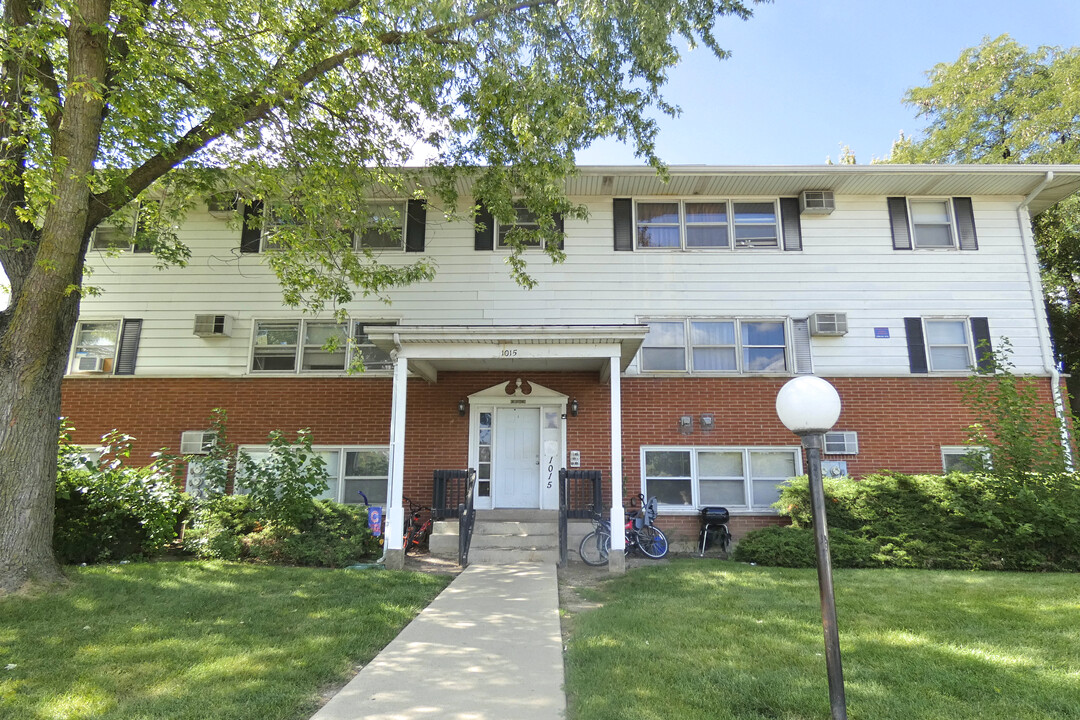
x=1023 y=218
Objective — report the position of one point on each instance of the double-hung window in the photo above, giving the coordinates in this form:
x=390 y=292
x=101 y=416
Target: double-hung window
x=525 y=219
x=932 y=223
x=313 y=346
x=349 y=470
x=384 y=228
x=715 y=224
x=706 y=345
x=738 y=478
x=95 y=346
x=948 y=344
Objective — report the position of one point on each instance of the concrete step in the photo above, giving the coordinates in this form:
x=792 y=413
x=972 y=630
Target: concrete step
x=510 y=538
x=509 y=556
x=519 y=515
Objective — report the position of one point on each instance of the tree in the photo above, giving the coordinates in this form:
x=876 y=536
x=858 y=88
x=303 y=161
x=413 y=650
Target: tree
x=1001 y=103
x=307 y=104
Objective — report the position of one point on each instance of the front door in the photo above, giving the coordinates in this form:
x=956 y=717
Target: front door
x=517 y=458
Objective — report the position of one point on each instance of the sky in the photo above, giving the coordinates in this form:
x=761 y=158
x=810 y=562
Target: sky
x=809 y=76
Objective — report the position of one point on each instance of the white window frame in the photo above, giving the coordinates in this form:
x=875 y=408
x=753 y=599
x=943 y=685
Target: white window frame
x=341 y=476
x=740 y=362
x=748 y=478
x=501 y=230
x=961 y=450
x=401 y=207
x=351 y=346
x=74 y=354
x=965 y=322
x=730 y=224
x=949 y=211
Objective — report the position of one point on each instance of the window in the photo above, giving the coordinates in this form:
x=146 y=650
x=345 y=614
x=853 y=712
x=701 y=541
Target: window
x=365 y=469
x=384 y=229
x=932 y=223
x=313 y=346
x=960 y=458
x=712 y=224
x=526 y=220
x=948 y=345
x=95 y=346
x=736 y=478
x=705 y=346
x=111 y=237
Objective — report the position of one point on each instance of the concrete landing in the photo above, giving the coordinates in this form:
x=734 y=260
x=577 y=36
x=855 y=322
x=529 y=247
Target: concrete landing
x=488 y=648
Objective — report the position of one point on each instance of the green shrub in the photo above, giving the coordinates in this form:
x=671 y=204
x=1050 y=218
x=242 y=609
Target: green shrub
x=283 y=482
x=957 y=521
x=794 y=547
x=234 y=528
x=107 y=511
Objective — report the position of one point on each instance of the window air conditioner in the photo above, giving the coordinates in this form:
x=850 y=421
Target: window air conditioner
x=834 y=324
x=841 y=442
x=90 y=364
x=213 y=325
x=197 y=442
x=816 y=202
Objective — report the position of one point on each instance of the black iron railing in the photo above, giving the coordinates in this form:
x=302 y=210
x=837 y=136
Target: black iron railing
x=579 y=493
x=449 y=489
x=466 y=520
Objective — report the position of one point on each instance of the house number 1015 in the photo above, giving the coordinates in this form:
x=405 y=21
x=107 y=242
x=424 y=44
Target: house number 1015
x=508 y=352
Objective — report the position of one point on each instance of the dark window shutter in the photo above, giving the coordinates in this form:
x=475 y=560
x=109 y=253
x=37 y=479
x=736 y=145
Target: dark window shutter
x=789 y=216
x=129 y=348
x=984 y=352
x=251 y=232
x=916 y=345
x=623 y=220
x=485 y=236
x=415 y=225
x=898 y=219
x=560 y=226
x=965 y=223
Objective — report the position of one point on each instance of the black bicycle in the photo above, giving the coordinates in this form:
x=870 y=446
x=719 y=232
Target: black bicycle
x=641 y=535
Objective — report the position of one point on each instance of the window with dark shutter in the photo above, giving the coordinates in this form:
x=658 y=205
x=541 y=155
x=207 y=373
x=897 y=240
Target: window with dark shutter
x=965 y=223
x=984 y=351
x=623 y=222
x=251 y=232
x=898 y=221
x=415 y=226
x=485 y=229
x=128 y=350
x=789 y=216
x=916 y=344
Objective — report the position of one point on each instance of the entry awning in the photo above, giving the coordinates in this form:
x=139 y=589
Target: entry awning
x=431 y=348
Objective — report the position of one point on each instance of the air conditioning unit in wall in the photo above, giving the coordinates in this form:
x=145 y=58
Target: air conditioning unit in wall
x=197 y=442
x=213 y=325
x=828 y=324
x=816 y=202
x=90 y=364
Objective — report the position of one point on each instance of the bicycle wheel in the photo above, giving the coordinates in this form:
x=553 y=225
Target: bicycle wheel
x=409 y=542
x=594 y=548
x=652 y=542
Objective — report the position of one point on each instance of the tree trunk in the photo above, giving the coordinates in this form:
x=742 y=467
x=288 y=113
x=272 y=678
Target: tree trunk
x=29 y=427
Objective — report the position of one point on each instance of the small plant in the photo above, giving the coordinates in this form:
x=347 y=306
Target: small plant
x=283 y=482
x=1016 y=431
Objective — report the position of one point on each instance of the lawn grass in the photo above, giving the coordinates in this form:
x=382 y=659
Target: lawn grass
x=719 y=640
x=197 y=640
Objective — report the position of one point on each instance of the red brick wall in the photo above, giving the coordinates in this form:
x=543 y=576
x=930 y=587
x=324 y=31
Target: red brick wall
x=901 y=422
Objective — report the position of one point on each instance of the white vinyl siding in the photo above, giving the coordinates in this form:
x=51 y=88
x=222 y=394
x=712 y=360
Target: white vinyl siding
x=739 y=478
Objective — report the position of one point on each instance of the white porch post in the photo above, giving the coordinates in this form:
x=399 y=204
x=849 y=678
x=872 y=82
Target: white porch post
x=617 y=558
x=394 y=557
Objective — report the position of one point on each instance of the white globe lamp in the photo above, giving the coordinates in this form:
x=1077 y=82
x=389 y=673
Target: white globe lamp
x=808 y=404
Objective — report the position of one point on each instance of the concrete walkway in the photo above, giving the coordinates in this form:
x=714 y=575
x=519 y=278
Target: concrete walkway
x=488 y=648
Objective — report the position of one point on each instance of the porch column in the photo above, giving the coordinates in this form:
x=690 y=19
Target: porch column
x=617 y=558
x=394 y=556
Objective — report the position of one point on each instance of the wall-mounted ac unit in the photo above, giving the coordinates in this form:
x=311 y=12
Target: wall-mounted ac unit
x=816 y=202
x=841 y=442
x=89 y=364
x=197 y=442
x=213 y=325
x=833 y=324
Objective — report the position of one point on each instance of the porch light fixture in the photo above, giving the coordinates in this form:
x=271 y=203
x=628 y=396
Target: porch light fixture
x=708 y=422
x=573 y=407
x=809 y=406
x=686 y=424
x=461 y=407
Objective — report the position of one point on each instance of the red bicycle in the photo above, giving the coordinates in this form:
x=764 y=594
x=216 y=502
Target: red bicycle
x=418 y=531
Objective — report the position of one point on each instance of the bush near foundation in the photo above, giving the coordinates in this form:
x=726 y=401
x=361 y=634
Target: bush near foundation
x=232 y=527
x=956 y=521
x=107 y=511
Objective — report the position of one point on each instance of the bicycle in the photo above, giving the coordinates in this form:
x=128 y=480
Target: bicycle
x=418 y=532
x=641 y=535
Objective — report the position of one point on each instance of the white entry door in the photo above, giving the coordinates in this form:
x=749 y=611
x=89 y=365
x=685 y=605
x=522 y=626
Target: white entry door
x=517 y=458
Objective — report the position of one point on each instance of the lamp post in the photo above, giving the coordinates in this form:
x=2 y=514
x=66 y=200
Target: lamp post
x=809 y=406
